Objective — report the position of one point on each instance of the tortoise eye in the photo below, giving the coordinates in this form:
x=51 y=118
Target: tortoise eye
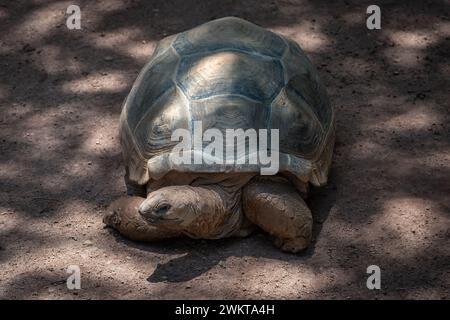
x=162 y=209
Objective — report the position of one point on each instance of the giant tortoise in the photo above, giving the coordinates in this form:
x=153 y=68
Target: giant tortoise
x=228 y=74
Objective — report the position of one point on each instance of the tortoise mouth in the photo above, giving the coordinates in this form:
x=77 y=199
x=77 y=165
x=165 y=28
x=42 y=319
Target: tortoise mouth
x=158 y=220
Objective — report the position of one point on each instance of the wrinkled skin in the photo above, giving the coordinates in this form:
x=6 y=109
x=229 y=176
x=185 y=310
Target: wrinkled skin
x=123 y=216
x=226 y=208
x=200 y=212
x=276 y=207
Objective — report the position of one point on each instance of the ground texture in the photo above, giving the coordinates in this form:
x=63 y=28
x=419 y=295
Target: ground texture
x=388 y=198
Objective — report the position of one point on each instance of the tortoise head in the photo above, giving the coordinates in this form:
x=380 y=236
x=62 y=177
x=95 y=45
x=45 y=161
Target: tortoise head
x=170 y=207
x=198 y=212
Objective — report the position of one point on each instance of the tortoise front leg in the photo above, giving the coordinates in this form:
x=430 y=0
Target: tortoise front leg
x=275 y=205
x=123 y=216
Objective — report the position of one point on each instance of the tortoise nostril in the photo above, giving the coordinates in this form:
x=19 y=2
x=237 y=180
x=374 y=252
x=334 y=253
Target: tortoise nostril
x=142 y=211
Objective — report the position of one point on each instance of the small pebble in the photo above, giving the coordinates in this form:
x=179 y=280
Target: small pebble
x=88 y=243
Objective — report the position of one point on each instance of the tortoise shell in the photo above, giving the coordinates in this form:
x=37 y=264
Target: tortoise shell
x=228 y=73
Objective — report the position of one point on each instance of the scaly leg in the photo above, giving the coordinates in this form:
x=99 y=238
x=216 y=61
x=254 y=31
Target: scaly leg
x=274 y=205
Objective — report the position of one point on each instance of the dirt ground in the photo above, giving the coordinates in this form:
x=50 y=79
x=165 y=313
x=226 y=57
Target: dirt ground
x=388 y=198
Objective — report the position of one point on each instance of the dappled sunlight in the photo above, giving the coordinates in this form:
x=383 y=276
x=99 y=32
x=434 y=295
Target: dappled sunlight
x=417 y=118
x=408 y=47
x=367 y=149
x=8 y=220
x=129 y=42
x=408 y=220
x=101 y=141
x=262 y=278
x=111 y=5
x=53 y=59
x=39 y=134
x=41 y=21
x=311 y=40
x=443 y=28
x=412 y=39
x=386 y=202
x=106 y=82
x=117 y=39
x=140 y=51
x=10 y=170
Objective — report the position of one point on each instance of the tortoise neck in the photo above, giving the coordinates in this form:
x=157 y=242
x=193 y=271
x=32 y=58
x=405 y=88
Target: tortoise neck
x=216 y=211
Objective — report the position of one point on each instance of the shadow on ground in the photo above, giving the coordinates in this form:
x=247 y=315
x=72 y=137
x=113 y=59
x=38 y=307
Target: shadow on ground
x=387 y=200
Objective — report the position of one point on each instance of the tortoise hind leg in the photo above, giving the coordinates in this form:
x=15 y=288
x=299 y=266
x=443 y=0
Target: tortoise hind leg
x=123 y=216
x=274 y=205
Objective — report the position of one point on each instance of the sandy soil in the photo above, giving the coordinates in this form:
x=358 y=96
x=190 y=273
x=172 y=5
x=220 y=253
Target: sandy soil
x=387 y=202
